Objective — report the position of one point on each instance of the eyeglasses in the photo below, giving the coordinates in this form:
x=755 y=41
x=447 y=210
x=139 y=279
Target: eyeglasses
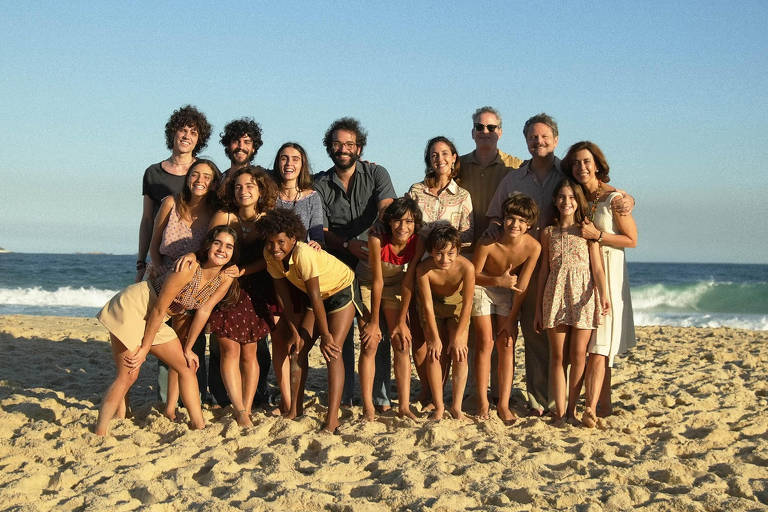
x=346 y=145
x=480 y=127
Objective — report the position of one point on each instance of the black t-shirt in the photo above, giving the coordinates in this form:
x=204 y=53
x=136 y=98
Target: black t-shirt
x=159 y=184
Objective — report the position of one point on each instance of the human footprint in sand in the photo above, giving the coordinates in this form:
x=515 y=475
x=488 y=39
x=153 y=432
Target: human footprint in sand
x=446 y=284
x=502 y=267
x=330 y=289
x=135 y=319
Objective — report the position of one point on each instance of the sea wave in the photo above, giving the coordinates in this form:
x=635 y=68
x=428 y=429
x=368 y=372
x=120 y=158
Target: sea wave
x=64 y=296
x=752 y=322
x=702 y=297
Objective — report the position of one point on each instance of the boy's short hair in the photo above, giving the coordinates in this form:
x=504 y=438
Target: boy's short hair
x=443 y=236
x=523 y=206
x=400 y=207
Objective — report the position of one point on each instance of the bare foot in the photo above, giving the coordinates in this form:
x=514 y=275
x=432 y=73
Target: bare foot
x=558 y=421
x=406 y=413
x=331 y=425
x=369 y=413
x=383 y=408
x=506 y=416
x=437 y=413
x=589 y=419
x=456 y=413
x=535 y=412
x=428 y=407
x=243 y=418
x=482 y=412
x=571 y=420
x=170 y=413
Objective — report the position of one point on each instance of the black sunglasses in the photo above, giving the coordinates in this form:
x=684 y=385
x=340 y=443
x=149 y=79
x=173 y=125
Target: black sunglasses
x=480 y=127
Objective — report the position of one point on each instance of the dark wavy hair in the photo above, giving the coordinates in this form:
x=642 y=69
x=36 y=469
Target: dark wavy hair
x=523 y=206
x=188 y=116
x=211 y=198
x=600 y=162
x=305 y=175
x=443 y=236
x=430 y=178
x=238 y=128
x=582 y=205
x=400 y=207
x=281 y=220
x=202 y=256
x=267 y=189
x=349 y=124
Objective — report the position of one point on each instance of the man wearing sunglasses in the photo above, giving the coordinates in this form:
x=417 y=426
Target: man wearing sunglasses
x=481 y=171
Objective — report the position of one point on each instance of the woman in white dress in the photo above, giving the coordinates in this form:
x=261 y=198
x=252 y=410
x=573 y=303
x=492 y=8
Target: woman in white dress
x=586 y=164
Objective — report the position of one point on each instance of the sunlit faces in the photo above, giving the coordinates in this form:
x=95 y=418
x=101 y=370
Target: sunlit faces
x=199 y=179
x=515 y=225
x=485 y=138
x=584 y=168
x=541 y=140
x=280 y=245
x=344 y=149
x=221 y=249
x=442 y=159
x=246 y=190
x=565 y=202
x=402 y=228
x=290 y=163
x=185 y=139
x=241 y=151
x=445 y=257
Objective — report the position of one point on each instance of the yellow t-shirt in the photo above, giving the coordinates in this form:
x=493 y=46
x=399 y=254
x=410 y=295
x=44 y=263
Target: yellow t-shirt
x=306 y=263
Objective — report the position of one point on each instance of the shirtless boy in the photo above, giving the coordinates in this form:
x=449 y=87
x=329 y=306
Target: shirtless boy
x=446 y=283
x=502 y=267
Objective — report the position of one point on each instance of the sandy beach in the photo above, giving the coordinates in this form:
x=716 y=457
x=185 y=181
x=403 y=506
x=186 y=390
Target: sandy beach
x=690 y=432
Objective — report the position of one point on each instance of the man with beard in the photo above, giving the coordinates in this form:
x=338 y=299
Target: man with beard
x=241 y=140
x=353 y=194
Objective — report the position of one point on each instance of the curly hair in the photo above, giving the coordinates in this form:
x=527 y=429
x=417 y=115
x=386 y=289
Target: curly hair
x=442 y=237
x=281 y=220
x=582 y=206
x=211 y=198
x=305 y=174
x=430 y=178
x=523 y=206
x=349 y=124
x=600 y=162
x=267 y=189
x=397 y=209
x=188 y=116
x=202 y=256
x=238 y=128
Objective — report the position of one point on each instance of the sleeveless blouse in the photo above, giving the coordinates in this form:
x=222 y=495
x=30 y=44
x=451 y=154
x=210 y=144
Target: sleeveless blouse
x=193 y=295
x=179 y=239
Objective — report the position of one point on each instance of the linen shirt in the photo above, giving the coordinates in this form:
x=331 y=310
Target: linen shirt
x=481 y=182
x=452 y=205
x=524 y=180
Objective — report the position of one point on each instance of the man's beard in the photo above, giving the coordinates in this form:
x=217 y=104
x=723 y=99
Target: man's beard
x=336 y=157
x=231 y=156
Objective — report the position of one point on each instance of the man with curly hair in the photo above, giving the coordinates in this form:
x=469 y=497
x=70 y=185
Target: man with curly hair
x=353 y=194
x=241 y=139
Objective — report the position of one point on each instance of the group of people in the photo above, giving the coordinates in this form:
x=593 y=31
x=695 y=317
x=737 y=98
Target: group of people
x=285 y=257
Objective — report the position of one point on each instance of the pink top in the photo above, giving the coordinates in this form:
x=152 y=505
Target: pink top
x=179 y=239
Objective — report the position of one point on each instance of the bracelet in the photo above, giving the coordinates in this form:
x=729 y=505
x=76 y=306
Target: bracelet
x=140 y=264
x=600 y=238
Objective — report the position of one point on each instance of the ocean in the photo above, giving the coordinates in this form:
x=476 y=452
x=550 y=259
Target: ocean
x=682 y=294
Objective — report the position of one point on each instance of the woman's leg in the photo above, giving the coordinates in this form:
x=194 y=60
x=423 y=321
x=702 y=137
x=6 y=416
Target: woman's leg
x=506 y=375
x=280 y=338
x=339 y=324
x=233 y=382
x=577 y=358
x=556 y=338
x=482 y=369
x=172 y=397
x=459 y=371
x=117 y=391
x=249 y=369
x=367 y=370
x=173 y=356
x=402 y=362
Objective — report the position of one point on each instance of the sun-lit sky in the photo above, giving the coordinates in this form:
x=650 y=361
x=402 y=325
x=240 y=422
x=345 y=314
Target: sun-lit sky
x=674 y=93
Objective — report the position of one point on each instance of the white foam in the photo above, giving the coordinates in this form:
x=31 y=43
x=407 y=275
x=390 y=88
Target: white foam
x=661 y=296
x=64 y=296
x=753 y=322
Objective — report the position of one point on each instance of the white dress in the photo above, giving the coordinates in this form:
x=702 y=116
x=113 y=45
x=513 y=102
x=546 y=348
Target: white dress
x=616 y=334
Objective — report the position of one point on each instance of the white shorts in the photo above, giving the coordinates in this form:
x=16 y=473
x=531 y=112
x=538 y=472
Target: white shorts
x=491 y=300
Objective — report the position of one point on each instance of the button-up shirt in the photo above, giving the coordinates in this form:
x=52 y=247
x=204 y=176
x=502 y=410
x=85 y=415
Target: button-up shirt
x=524 y=180
x=482 y=181
x=452 y=206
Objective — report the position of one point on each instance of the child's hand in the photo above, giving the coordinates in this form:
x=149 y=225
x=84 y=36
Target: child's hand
x=233 y=272
x=328 y=347
x=192 y=360
x=458 y=351
x=606 y=305
x=434 y=349
x=370 y=332
x=315 y=245
x=507 y=279
x=507 y=332
x=402 y=333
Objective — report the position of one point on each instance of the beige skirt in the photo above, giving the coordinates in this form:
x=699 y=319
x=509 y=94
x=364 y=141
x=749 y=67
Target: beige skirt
x=125 y=316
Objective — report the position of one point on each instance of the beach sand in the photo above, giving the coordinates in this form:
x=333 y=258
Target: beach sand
x=690 y=432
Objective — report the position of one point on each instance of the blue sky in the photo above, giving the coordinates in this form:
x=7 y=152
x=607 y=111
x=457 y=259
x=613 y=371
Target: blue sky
x=674 y=93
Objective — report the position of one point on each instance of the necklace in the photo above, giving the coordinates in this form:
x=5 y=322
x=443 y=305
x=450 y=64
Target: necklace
x=595 y=200
x=288 y=200
x=252 y=221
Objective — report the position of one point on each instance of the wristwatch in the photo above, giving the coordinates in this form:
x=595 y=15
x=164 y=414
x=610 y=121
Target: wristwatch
x=345 y=244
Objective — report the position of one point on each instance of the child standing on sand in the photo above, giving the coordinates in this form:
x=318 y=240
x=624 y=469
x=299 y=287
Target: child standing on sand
x=386 y=284
x=502 y=267
x=446 y=284
x=571 y=268
x=330 y=287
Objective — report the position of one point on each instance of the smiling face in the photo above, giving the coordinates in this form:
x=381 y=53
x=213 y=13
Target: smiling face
x=486 y=139
x=565 y=202
x=541 y=140
x=442 y=159
x=280 y=245
x=515 y=225
x=402 y=228
x=444 y=257
x=199 y=179
x=246 y=190
x=185 y=139
x=344 y=149
x=290 y=164
x=220 y=252
x=241 y=151
x=584 y=168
